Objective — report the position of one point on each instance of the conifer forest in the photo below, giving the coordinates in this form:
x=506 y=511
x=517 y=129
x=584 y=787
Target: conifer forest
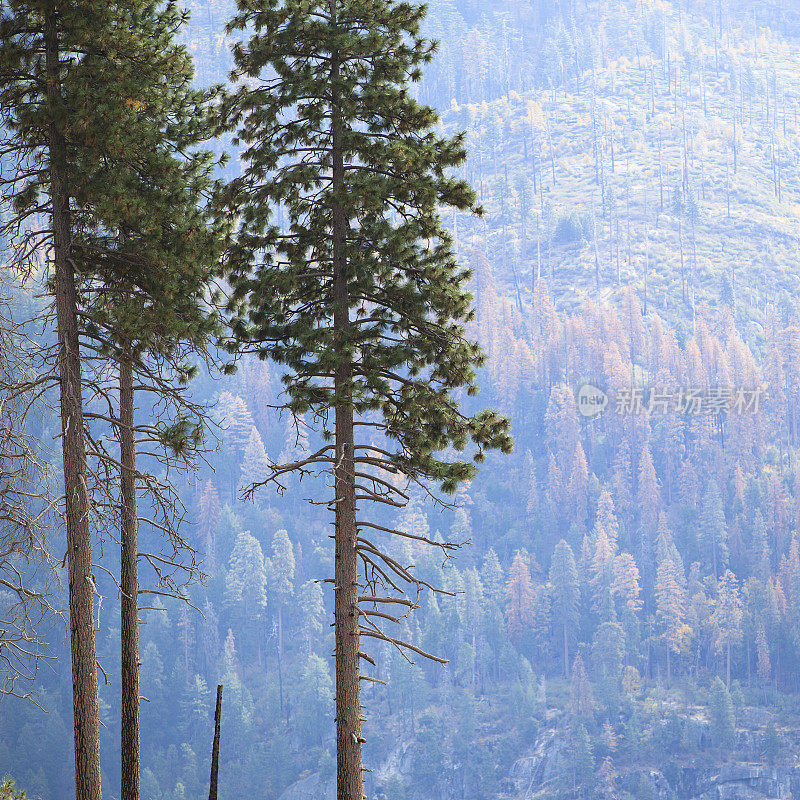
x=400 y=401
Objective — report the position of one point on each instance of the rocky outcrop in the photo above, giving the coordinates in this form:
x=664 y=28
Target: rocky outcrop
x=312 y=787
x=530 y=776
x=689 y=780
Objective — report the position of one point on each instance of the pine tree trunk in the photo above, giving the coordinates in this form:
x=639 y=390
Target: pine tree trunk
x=85 y=702
x=129 y=586
x=348 y=687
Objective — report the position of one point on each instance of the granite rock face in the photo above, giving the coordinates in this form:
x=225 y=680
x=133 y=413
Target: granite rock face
x=689 y=780
x=530 y=776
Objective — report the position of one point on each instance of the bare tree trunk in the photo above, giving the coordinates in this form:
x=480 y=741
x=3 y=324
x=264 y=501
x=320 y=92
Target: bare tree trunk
x=85 y=704
x=349 y=774
x=214 y=782
x=129 y=585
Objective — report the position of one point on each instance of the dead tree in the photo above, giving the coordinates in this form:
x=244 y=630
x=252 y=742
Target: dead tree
x=27 y=570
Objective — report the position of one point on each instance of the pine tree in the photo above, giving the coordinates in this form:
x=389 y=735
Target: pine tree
x=648 y=503
x=208 y=637
x=255 y=464
x=727 y=619
x=608 y=652
x=185 y=638
x=665 y=548
x=317 y=697
x=607 y=788
x=210 y=511
x=532 y=496
x=492 y=577
x=364 y=308
x=670 y=609
x=565 y=593
x=606 y=521
x=44 y=73
x=625 y=584
x=578 y=485
x=580 y=764
x=145 y=256
x=194 y=707
x=581 y=689
x=723 y=721
x=556 y=484
x=712 y=529
x=608 y=736
x=246 y=579
x=763 y=665
x=563 y=426
x=280 y=570
x=462 y=526
x=519 y=598
x=312 y=609
x=236 y=420
x=230 y=660
x=471 y=614
x=541 y=620
x=760 y=550
x=111 y=115
x=412 y=519
x=601 y=569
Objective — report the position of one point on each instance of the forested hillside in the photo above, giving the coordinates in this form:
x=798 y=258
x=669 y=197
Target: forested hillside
x=622 y=620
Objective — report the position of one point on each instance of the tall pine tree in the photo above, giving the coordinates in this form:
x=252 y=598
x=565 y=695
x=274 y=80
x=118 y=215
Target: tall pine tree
x=50 y=52
x=565 y=593
x=360 y=298
x=102 y=121
x=145 y=264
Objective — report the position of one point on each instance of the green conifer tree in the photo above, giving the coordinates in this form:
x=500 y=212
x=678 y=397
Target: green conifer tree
x=493 y=578
x=580 y=765
x=727 y=619
x=312 y=610
x=723 y=721
x=519 y=598
x=670 y=609
x=565 y=593
x=45 y=75
x=255 y=464
x=246 y=579
x=111 y=119
x=608 y=652
x=281 y=569
x=713 y=530
x=360 y=298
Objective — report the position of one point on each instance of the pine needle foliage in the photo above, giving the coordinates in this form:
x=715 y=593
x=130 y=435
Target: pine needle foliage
x=325 y=81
